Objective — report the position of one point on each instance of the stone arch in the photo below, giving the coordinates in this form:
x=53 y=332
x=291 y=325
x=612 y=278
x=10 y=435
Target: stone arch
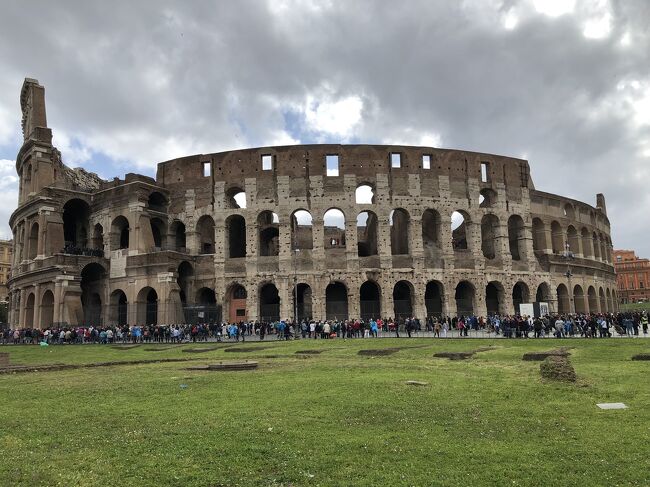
x=235 y=197
x=557 y=237
x=460 y=234
x=47 y=309
x=29 y=310
x=334 y=229
x=370 y=300
x=569 y=211
x=579 y=299
x=302 y=233
x=431 y=232
x=205 y=309
x=157 y=202
x=120 y=233
x=205 y=234
x=465 y=296
x=118 y=309
x=236 y=300
x=159 y=233
x=434 y=298
x=76 y=225
x=400 y=222
x=98 y=237
x=592 y=299
x=573 y=240
x=178 y=232
x=185 y=281
x=489 y=236
x=587 y=244
x=563 y=302
x=367 y=224
x=364 y=194
x=336 y=301
x=596 y=246
x=520 y=295
x=268 y=230
x=487 y=198
x=517 y=237
x=540 y=243
x=147 y=306
x=543 y=294
x=269 y=302
x=603 y=248
x=403 y=295
x=495 y=298
x=93 y=278
x=603 y=301
x=236 y=236
x=33 y=241
x=302 y=302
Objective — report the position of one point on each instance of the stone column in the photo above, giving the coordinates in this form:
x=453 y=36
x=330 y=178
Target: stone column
x=37 y=306
x=23 y=303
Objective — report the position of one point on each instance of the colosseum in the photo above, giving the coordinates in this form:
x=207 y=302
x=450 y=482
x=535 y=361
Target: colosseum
x=306 y=231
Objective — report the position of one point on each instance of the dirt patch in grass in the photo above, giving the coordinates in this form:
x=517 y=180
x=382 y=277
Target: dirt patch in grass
x=559 y=368
x=245 y=349
x=54 y=367
x=225 y=366
x=199 y=349
x=125 y=347
x=309 y=352
x=540 y=356
x=462 y=355
x=641 y=356
x=378 y=352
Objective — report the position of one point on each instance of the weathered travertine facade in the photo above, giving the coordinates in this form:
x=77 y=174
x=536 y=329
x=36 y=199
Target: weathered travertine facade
x=242 y=234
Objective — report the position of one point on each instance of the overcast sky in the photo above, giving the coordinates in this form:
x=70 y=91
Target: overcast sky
x=564 y=84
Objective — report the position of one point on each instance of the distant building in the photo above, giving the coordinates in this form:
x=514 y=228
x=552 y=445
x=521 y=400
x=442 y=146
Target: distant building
x=5 y=267
x=633 y=276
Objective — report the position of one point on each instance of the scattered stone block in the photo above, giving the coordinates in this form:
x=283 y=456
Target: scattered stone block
x=611 y=405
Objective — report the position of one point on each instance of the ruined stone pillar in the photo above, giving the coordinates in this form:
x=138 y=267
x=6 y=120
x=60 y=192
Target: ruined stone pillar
x=23 y=303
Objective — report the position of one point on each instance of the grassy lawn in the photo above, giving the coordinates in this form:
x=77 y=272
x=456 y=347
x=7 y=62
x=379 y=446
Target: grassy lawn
x=331 y=419
x=635 y=307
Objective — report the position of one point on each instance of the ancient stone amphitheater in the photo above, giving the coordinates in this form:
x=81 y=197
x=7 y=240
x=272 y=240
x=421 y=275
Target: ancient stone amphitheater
x=321 y=231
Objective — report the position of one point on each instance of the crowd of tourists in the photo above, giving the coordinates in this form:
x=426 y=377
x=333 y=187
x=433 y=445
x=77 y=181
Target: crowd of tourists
x=559 y=326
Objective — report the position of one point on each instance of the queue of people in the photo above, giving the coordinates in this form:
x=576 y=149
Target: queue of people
x=601 y=325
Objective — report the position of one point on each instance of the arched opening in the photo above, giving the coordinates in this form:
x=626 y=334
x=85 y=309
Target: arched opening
x=269 y=303
x=569 y=212
x=539 y=236
x=608 y=243
x=489 y=236
x=237 y=304
x=205 y=233
x=494 y=295
x=157 y=202
x=603 y=247
x=459 y=230
x=336 y=301
x=592 y=298
x=433 y=298
x=301 y=230
x=370 y=300
x=185 y=280
x=334 y=229
x=179 y=236
x=236 y=198
x=563 y=303
x=206 y=309
x=302 y=302
x=520 y=295
x=367 y=234
x=557 y=237
x=159 y=233
x=587 y=244
x=431 y=240
x=573 y=240
x=596 y=245
x=603 y=301
x=148 y=306
x=118 y=308
x=543 y=294
x=364 y=195
x=120 y=233
x=33 y=241
x=236 y=231
x=98 y=238
x=487 y=198
x=268 y=227
x=399 y=232
x=403 y=300
x=464 y=297
x=29 y=311
x=92 y=288
x=47 y=310
x=517 y=237
x=76 y=226
x=579 y=299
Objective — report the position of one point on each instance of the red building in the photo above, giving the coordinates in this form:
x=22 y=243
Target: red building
x=632 y=276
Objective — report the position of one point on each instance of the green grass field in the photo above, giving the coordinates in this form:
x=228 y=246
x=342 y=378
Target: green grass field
x=331 y=419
